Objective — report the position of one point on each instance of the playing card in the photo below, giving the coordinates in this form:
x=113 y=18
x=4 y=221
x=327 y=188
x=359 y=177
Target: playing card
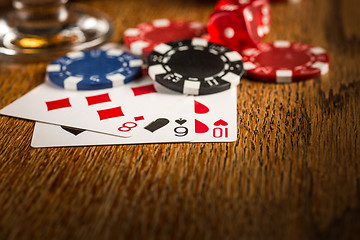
x=119 y=111
x=209 y=118
x=174 y=125
x=216 y=117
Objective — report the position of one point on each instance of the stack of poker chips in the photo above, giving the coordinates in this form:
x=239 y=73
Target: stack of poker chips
x=195 y=59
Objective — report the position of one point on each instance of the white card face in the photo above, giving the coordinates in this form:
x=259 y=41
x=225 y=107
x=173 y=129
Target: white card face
x=216 y=117
x=174 y=125
x=120 y=111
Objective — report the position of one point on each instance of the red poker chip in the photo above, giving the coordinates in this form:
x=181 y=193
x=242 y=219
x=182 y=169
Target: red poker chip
x=144 y=70
x=142 y=39
x=284 y=62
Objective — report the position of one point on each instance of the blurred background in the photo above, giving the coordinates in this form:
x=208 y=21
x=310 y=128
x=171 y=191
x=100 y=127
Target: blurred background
x=5 y=3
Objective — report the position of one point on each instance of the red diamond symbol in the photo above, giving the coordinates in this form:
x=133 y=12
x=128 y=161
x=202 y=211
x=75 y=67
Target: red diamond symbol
x=144 y=90
x=92 y=100
x=110 y=113
x=139 y=118
x=57 y=104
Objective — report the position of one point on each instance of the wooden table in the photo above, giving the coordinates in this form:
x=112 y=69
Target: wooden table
x=293 y=173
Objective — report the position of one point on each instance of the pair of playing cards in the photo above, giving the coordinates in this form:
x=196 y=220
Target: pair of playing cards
x=138 y=112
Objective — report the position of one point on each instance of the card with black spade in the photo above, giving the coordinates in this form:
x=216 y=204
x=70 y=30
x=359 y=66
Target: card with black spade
x=174 y=125
x=119 y=111
x=209 y=118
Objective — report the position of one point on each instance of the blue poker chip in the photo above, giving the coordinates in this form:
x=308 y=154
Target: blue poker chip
x=94 y=69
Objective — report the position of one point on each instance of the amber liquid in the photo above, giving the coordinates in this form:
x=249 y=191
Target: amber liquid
x=48 y=28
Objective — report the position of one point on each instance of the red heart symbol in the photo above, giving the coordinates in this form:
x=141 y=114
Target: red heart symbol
x=200 y=127
x=200 y=108
x=220 y=122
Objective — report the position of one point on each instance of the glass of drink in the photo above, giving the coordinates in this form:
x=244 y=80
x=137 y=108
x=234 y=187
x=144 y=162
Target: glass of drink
x=39 y=30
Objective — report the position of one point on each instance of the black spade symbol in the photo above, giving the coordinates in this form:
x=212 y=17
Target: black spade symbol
x=75 y=131
x=180 y=121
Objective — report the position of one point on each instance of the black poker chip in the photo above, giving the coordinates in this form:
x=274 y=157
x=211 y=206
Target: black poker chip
x=195 y=66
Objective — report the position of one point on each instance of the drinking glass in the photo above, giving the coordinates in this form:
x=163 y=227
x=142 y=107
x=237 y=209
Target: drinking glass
x=39 y=30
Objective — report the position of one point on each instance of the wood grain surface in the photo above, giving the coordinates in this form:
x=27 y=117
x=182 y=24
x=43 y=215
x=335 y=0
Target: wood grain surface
x=293 y=173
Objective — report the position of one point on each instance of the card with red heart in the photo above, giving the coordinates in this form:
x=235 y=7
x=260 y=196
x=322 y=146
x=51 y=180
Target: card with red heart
x=216 y=117
x=209 y=118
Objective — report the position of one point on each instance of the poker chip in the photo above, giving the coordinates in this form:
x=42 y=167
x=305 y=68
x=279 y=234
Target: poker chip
x=144 y=70
x=94 y=69
x=195 y=66
x=142 y=39
x=284 y=62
